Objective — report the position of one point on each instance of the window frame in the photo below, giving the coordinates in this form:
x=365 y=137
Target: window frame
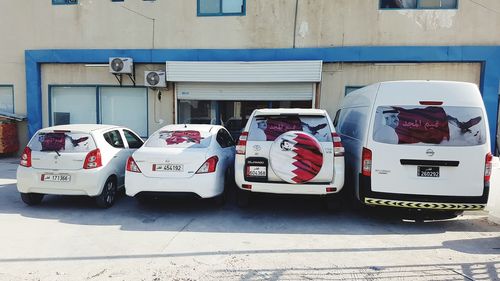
x=11 y=86
x=97 y=99
x=220 y=14
x=66 y=2
x=417 y=7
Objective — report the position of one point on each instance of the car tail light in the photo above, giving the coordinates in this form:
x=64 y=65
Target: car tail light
x=93 y=159
x=209 y=165
x=331 y=189
x=246 y=186
x=487 y=167
x=26 y=157
x=366 y=162
x=241 y=147
x=338 y=148
x=132 y=166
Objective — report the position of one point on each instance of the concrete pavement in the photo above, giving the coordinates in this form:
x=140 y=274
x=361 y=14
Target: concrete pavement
x=277 y=238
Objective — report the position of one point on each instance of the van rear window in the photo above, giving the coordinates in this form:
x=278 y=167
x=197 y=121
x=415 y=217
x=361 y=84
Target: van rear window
x=62 y=142
x=430 y=125
x=268 y=128
x=179 y=138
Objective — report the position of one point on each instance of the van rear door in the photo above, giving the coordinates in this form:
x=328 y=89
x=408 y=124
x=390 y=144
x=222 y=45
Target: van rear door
x=289 y=148
x=428 y=149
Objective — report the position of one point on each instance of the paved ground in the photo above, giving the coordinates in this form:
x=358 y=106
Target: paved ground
x=68 y=238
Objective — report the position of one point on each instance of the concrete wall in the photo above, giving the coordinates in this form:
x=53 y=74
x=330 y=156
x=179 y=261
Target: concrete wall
x=336 y=76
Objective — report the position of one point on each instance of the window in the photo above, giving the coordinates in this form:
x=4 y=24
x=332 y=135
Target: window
x=221 y=7
x=269 y=128
x=418 y=4
x=114 y=139
x=64 y=2
x=179 y=139
x=349 y=89
x=123 y=106
x=224 y=138
x=7 y=98
x=132 y=140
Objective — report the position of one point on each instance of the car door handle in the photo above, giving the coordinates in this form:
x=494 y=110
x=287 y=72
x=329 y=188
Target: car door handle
x=116 y=156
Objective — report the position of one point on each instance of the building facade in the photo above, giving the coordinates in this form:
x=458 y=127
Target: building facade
x=224 y=58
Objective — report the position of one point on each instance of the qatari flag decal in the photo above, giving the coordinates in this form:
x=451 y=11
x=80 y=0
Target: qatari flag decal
x=296 y=157
x=429 y=125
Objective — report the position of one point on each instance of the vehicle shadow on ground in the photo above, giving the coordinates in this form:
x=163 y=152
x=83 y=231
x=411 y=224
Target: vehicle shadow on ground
x=267 y=214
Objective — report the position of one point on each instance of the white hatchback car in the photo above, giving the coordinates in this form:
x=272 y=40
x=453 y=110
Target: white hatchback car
x=186 y=159
x=86 y=159
x=289 y=151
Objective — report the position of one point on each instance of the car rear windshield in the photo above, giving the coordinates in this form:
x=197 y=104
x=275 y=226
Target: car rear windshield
x=64 y=142
x=180 y=138
x=430 y=125
x=268 y=128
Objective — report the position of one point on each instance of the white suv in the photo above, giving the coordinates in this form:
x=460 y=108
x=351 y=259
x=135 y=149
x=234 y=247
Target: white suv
x=76 y=160
x=289 y=151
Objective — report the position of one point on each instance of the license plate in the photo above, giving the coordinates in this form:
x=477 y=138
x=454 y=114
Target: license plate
x=168 y=167
x=428 y=172
x=256 y=171
x=56 y=178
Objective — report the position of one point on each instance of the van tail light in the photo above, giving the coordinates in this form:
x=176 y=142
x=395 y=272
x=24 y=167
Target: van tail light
x=366 y=162
x=132 y=166
x=209 y=165
x=487 y=167
x=241 y=147
x=93 y=159
x=26 y=157
x=338 y=148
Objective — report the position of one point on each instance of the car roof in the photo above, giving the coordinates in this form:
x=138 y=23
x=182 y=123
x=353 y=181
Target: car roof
x=196 y=127
x=83 y=128
x=299 y=111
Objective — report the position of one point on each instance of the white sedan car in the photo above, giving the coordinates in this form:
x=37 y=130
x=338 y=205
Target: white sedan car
x=186 y=159
x=76 y=160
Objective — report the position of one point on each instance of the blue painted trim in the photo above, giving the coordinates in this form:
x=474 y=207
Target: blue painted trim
x=66 y=2
x=13 y=101
x=488 y=56
x=220 y=14
x=418 y=7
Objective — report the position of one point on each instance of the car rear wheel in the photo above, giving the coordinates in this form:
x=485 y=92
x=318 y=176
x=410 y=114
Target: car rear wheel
x=32 y=198
x=108 y=195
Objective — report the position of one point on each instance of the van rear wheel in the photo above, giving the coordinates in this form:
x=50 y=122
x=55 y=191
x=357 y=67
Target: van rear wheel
x=31 y=199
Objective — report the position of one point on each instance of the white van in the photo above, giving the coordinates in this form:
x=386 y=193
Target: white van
x=289 y=151
x=417 y=144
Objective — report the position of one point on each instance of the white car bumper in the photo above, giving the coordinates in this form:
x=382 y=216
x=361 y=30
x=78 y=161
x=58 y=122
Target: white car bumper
x=287 y=188
x=204 y=185
x=83 y=182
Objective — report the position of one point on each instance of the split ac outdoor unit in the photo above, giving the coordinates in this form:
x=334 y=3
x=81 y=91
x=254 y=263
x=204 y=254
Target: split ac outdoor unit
x=121 y=65
x=155 y=79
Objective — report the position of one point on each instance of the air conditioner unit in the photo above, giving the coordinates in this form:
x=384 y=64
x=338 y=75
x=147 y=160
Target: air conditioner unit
x=121 y=65
x=155 y=79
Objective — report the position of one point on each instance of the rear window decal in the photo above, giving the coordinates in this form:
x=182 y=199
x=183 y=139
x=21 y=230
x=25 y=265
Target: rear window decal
x=451 y=126
x=177 y=137
x=57 y=141
x=268 y=128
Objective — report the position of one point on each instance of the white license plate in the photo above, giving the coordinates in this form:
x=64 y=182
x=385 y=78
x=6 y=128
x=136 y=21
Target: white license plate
x=168 y=167
x=56 y=178
x=257 y=171
x=428 y=172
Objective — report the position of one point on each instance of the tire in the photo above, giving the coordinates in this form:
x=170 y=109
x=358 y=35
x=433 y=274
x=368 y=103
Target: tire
x=108 y=195
x=243 y=198
x=32 y=199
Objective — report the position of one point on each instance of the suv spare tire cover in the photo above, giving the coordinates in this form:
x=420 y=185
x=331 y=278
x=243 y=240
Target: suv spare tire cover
x=296 y=157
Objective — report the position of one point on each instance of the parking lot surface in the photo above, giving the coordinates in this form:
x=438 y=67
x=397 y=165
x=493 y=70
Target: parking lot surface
x=276 y=238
